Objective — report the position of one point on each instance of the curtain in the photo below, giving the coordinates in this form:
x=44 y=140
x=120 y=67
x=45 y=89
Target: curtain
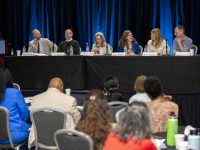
x=86 y=17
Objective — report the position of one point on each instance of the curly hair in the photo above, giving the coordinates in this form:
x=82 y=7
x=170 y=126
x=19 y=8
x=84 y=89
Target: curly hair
x=96 y=118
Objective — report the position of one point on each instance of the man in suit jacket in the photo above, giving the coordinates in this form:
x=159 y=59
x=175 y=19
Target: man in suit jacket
x=41 y=45
x=55 y=98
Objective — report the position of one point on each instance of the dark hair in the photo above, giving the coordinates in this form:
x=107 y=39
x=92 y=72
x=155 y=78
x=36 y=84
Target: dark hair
x=153 y=87
x=95 y=118
x=181 y=27
x=2 y=85
x=133 y=121
x=123 y=40
x=111 y=89
x=8 y=78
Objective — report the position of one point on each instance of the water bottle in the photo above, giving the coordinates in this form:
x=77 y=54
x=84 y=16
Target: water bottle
x=125 y=49
x=23 y=50
x=87 y=48
x=172 y=129
x=194 y=140
x=12 y=52
x=145 y=48
x=71 y=51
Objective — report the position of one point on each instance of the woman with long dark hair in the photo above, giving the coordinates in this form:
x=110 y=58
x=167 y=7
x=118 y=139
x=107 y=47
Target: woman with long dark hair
x=129 y=44
x=13 y=100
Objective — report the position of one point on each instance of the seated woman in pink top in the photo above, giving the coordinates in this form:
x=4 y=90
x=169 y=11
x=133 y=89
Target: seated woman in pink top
x=133 y=131
x=160 y=106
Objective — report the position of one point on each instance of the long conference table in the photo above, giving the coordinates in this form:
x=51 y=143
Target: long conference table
x=180 y=75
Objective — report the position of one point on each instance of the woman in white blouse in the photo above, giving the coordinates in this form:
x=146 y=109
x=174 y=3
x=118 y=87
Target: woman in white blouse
x=100 y=46
x=157 y=43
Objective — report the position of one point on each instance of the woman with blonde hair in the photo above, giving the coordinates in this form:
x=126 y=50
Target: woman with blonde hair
x=101 y=46
x=96 y=118
x=129 y=44
x=141 y=95
x=157 y=43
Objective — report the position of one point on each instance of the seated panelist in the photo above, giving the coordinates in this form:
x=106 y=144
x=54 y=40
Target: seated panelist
x=41 y=45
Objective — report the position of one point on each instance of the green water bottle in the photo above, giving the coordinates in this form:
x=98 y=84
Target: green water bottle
x=172 y=129
x=12 y=52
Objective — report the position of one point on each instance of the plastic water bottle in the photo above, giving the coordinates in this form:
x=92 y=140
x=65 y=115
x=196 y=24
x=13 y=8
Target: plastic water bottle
x=172 y=129
x=23 y=50
x=71 y=51
x=87 y=48
x=125 y=49
x=145 y=48
x=194 y=140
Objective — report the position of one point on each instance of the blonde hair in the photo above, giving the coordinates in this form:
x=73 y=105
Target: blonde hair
x=102 y=37
x=139 y=84
x=158 y=37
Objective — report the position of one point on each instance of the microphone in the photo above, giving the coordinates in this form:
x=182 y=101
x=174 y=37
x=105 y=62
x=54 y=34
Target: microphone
x=106 y=49
x=53 y=47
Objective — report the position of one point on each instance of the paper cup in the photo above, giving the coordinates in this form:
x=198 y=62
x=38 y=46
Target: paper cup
x=183 y=145
x=191 y=52
x=18 y=52
x=68 y=91
x=179 y=138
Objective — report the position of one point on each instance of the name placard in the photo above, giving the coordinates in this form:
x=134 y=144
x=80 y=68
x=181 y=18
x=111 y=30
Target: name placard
x=87 y=53
x=150 y=54
x=58 y=54
x=182 y=54
x=28 y=54
x=118 y=54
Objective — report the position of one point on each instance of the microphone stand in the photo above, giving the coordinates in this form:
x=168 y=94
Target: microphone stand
x=166 y=47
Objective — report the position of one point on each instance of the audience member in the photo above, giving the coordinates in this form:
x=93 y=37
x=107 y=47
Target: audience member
x=64 y=46
x=161 y=105
x=96 y=118
x=133 y=130
x=41 y=45
x=13 y=100
x=129 y=44
x=141 y=95
x=100 y=46
x=55 y=98
x=111 y=89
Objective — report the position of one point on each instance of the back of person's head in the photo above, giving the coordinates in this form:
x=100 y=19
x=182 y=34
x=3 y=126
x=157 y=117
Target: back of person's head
x=56 y=83
x=133 y=121
x=8 y=78
x=2 y=85
x=139 y=84
x=111 y=84
x=111 y=89
x=95 y=118
x=153 y=87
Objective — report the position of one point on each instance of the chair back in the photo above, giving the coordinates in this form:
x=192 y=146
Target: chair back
x=195 y=49
x=115 y=107
x=141 y=49
x=46 y=121
x=16 y=86
x=73 y=140
x=4 y=126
